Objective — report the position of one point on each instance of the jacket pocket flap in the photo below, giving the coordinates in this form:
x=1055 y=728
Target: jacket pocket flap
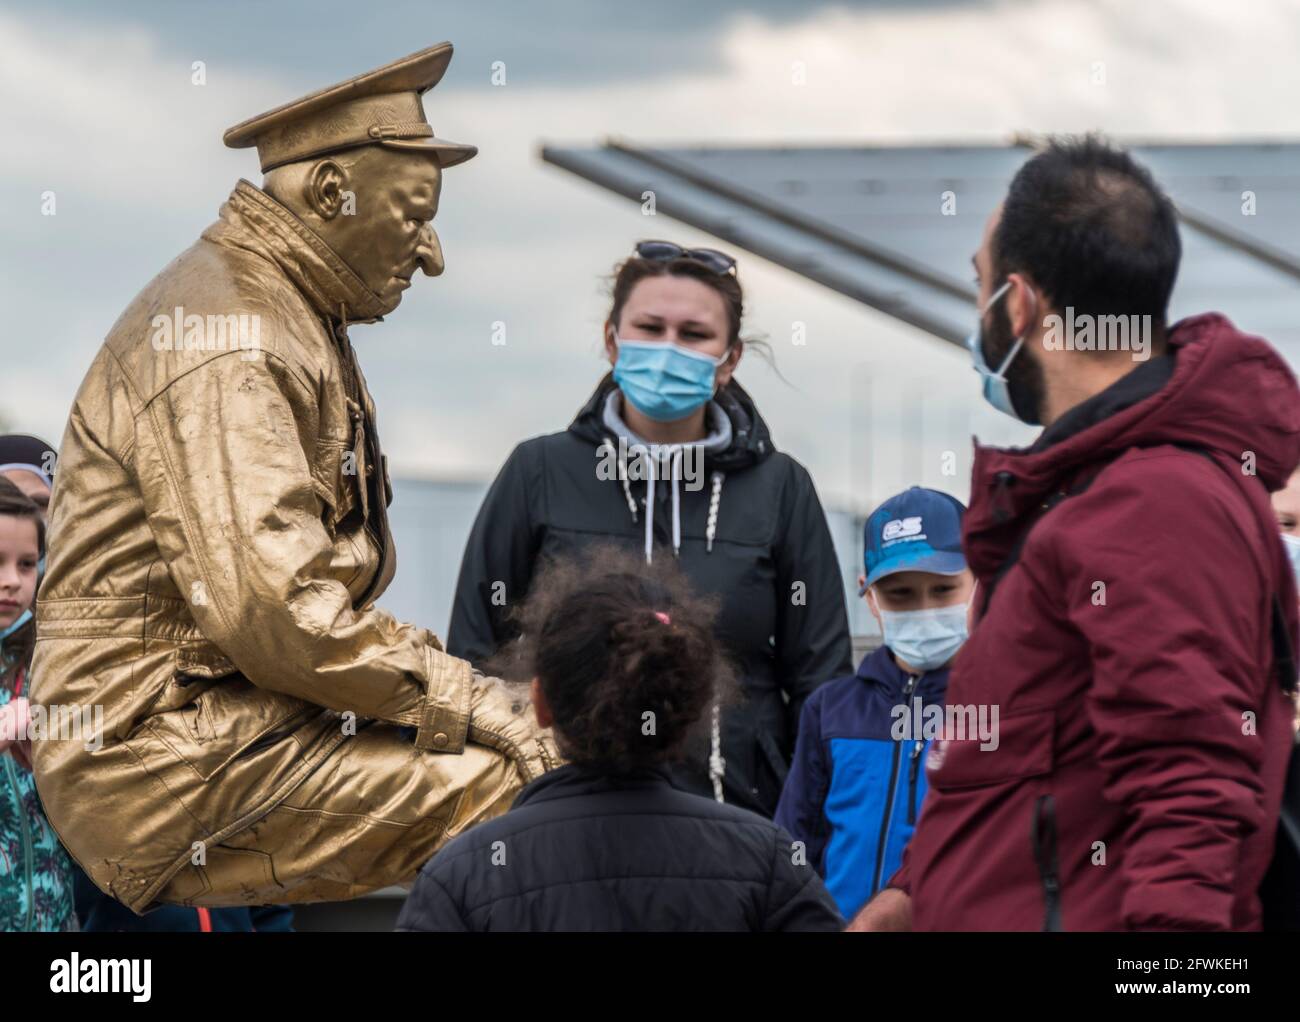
x=224 y=719
x=201 y=662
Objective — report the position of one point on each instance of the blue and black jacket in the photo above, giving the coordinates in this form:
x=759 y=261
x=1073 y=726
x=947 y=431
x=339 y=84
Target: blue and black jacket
x=854 y=792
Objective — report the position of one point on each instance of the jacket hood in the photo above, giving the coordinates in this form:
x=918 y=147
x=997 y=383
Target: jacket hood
x=751 y=442
x=1228 y=392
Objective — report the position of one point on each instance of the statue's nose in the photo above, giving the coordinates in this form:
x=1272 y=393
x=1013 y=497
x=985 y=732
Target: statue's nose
x=429 y=253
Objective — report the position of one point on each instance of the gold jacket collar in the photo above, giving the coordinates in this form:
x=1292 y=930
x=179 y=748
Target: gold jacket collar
x=252 y=220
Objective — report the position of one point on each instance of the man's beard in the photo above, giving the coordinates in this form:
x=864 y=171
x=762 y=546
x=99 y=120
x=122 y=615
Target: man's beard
x=1024 y=376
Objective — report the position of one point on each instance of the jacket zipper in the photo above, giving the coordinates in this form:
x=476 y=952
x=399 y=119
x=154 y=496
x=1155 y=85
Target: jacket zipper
x=27 y=839
x=892 y=791
x=1043 y=839
x=911 y=780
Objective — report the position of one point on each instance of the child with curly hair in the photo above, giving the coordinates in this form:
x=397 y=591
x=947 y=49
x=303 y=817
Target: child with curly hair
x=623 y=665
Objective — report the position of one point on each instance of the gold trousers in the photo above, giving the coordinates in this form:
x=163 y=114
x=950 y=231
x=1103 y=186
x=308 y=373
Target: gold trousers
x=369 y=817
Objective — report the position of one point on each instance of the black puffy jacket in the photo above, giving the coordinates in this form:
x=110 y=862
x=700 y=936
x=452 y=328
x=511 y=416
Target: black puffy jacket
x=584 y=851
x=753 y=532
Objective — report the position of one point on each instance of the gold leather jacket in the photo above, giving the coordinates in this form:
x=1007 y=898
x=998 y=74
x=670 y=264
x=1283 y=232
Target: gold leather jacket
x=218 y=537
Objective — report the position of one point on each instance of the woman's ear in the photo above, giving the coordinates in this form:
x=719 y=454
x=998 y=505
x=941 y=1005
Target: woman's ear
x=611 y=346
x=732 y=359
x=540 y=706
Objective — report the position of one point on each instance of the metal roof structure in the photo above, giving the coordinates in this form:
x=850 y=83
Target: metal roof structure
x=895 y=226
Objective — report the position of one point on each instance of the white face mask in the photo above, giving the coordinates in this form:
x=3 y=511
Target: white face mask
x=925 y=639
x=1292 y=544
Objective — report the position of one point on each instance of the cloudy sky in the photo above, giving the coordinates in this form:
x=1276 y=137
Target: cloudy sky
x=99 y=108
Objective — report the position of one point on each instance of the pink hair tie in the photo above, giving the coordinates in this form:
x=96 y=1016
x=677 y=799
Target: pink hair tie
x=663 y=617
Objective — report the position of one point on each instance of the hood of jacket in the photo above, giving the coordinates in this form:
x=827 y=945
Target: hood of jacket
x=1215 y=371
x=751 y=441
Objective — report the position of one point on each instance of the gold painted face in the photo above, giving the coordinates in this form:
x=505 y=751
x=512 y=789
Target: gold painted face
x=373 y=206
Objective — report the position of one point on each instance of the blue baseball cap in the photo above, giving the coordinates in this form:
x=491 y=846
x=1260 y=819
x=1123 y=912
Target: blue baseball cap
x=917 y=530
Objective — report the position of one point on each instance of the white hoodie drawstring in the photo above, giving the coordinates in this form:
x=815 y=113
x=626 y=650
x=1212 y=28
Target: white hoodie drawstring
x=715 y=501
x=631 y=502
x=676 y=453
x=717 y=764
x=650 y=511
x=674 y=472
x=622 y=474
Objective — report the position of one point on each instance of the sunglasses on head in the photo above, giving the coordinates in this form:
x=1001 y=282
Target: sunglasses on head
x=661 y=251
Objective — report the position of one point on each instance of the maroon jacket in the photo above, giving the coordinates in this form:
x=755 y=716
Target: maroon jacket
x=1122 y=721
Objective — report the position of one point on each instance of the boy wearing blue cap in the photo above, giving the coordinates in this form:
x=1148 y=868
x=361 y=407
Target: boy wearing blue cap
x=857 y=782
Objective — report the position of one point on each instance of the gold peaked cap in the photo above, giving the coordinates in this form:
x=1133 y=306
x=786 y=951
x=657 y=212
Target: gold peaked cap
x=379 y=107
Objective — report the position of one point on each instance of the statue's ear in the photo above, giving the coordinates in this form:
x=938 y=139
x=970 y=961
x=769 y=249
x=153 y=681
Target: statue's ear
x=323 y=191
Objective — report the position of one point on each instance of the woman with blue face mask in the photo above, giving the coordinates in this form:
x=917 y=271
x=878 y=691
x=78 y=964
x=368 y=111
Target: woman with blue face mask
x=669 y=456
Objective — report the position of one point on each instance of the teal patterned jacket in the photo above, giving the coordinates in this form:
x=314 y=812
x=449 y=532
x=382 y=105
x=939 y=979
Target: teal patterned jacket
x=35 y=872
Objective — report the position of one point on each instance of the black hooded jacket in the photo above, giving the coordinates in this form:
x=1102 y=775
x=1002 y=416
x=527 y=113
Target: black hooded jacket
x=750 y=530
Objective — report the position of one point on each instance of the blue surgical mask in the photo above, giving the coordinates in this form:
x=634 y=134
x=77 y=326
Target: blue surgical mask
x=1292 y=544
x=663 y=380
x=996 y=391
x=926 y=639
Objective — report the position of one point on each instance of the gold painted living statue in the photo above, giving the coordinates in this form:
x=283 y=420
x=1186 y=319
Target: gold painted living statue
x=218 y=537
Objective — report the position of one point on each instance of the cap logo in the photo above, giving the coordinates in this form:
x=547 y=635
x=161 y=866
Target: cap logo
x=901 y=527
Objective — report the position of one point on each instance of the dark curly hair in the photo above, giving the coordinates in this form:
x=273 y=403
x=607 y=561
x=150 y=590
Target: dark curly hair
x=626 y=688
